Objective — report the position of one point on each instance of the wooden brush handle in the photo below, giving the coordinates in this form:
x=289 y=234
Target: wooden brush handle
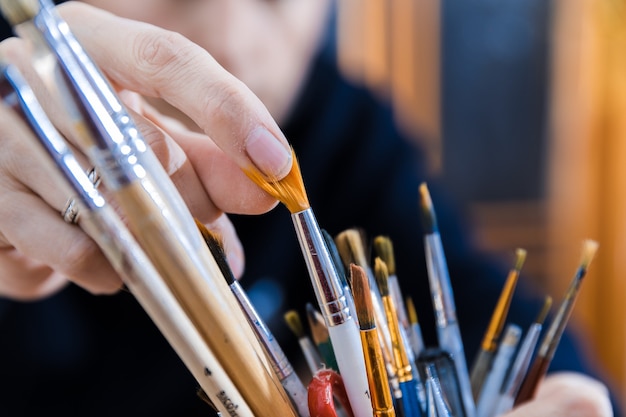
x=206 y=299
x=146 y=285
x=531 y=382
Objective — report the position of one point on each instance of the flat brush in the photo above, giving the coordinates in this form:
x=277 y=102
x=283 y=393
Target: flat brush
x=280 y=364
x=551 y=340
x=328 y=289
x=321 y=338
x=487 y=351
x=375 y=364
x=161 y=229
x=311 y=354
x=104 y=226
x=448 y=331
x=521 y=363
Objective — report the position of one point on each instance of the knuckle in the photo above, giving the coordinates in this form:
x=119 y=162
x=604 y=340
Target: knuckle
x=224 y=100
x=161 y=53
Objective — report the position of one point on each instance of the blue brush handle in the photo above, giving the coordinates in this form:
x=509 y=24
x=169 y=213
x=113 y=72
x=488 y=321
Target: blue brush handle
x=410 y=402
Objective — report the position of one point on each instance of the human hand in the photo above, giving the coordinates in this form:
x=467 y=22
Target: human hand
x=39 y=252
x=567 y=394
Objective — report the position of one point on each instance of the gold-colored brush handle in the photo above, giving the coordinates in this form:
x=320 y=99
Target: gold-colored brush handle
x=207 y=301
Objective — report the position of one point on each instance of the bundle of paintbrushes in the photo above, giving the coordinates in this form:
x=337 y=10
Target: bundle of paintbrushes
x=367 y=351
x=405 y=378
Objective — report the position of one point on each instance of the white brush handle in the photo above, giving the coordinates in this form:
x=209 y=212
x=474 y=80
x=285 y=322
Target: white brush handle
x=348 y=351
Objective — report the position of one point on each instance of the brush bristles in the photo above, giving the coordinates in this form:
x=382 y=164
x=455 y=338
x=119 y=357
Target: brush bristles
x=351 y=246
x=520 y=257
x=216 y=246
x=316 y=324
x=412 y=312
x=547 y=304
x=590 y=247
x=362 y=297
x=345 y=250
x=382 y=276
x=289 y=190
x=19 y=11
x=292 y=318
x=429 y=218
x=384 y=249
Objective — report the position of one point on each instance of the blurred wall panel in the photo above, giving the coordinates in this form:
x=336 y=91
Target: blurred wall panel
x=587 y=192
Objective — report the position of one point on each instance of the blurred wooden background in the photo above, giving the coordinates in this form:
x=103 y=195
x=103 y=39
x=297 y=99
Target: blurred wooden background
x=399 y=49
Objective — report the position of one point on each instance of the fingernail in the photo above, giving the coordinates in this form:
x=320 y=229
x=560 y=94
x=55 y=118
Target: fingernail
x=269 y=155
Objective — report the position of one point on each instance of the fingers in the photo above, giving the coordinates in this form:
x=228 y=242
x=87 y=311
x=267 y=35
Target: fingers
x=38 y=234
x=159 y=63
x=567 y=394
x=205 y=177
x=40 y=252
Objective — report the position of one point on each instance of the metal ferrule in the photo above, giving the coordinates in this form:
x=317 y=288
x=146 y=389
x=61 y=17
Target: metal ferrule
x=276 y=356
x=322 y=272
x=23 y=100
x=115 y=159
x=120 y=149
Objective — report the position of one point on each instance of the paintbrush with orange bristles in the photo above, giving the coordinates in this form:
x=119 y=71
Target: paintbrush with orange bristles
x=328 y=289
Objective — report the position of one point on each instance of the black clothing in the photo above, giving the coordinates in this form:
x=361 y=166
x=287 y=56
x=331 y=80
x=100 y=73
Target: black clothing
x=75 y=354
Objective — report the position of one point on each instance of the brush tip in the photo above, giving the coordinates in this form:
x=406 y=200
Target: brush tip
x=292 y=318
x=362 y=297
x=19 y=11
x=429 y=219
x=412 y=312
x=382 y=276
x=545 y=310
x=353 y=243
x=384 y=249
x=289 y=190
x=590 y=247
x=520 y=257
x=216 y=246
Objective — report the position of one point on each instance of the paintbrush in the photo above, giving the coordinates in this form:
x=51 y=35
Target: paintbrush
x=495 y=377
x=321 y=337
x=376 y=372
x=552 y=337
x=280 y=364
x=311 y=354
x=404 y=369
x=487 y=351
x=175 y=250
x=104 y=226
x=520 y=365
x=328 y=289
x=448 y=331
